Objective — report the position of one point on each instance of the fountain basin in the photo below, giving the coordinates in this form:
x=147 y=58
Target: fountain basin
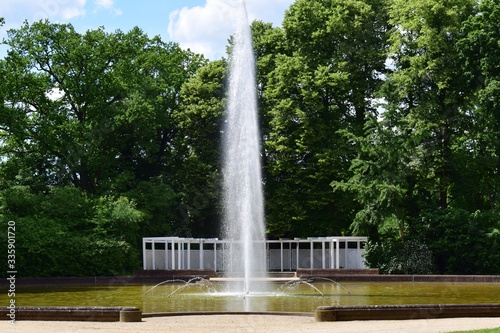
x=278 y=296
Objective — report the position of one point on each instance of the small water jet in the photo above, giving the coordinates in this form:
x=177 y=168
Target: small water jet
x=321 y=278
x=200 y=284
x=196 y=281
x=292 y=284
x=243 y=196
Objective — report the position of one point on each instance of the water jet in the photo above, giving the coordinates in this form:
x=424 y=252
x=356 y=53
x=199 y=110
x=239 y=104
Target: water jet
x=242 y=179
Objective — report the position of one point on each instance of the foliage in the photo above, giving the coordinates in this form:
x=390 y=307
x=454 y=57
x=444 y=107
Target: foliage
x=86 y=133
x=399 y=257
x=157 y=203
x=66 y=233
x=89 y=109
x=463 y=242
x=200 y=121
x=379 y=180
x=426 y=165
x=334 y=55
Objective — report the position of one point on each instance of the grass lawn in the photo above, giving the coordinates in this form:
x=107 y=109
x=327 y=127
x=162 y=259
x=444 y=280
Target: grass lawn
x=492 y=330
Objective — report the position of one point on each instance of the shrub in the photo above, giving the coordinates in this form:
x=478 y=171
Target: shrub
x=399 y=257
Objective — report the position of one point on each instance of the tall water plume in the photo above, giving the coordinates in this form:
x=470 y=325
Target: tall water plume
x=243 y=197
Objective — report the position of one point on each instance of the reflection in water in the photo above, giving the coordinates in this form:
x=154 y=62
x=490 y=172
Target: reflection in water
x=301 y=298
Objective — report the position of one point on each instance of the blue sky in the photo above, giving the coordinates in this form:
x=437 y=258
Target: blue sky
x=201 y=25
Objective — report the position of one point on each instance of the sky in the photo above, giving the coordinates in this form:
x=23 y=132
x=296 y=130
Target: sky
x=203 y=26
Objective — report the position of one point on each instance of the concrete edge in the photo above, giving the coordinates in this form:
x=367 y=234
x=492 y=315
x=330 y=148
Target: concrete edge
x=71 y=313
x=404 y=312
x=372 y=275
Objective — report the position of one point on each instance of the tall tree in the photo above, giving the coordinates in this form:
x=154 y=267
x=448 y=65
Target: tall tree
x=431 y=92
x=426 y=170
x=324 y=82
x=198 y=150
x=92 y=109
x=427 y=102
x=481 y=54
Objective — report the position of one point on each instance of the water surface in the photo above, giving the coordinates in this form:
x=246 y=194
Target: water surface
x=205 y=296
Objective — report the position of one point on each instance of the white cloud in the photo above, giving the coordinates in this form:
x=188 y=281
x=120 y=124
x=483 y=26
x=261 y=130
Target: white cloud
x=16 y=11
x=109 y=5
x=104 y=3
x=71 y=12
x=205 y=29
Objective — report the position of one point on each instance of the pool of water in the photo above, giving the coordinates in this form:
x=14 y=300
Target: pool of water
x=291 y=297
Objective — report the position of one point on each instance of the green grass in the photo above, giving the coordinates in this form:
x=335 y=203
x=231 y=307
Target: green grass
x=492 y=330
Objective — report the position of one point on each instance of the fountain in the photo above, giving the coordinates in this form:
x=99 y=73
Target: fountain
x=243 y=197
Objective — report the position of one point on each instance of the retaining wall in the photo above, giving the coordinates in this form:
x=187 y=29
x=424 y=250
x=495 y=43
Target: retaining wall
x=72 y=313
x=402 y=312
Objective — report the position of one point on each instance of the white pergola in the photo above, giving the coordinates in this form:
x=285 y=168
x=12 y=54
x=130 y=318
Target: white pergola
x=176 y=253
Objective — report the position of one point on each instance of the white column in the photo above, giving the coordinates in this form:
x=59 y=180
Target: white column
x=323 y=254
x=189 y=255
x=337 y=255
x=144 y=257
x=180 y=249
x=166 y=254
x=345 y=252
x=358 y=256
x=173 y=254
x=153 y=262
x=311 y=255
x=215 y=257
x=201 y=255
x=281 y=255
x=332 y=254
x=298 y=245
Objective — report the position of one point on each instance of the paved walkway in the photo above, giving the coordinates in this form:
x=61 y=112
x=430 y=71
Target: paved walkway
x=251 y=323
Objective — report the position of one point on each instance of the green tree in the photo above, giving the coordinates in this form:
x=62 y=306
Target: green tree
x=65 y=232
x=93 y=110
x=89 y=118
x=428 y=88
x=200 y=121
x=269 y=43
x=424 y=170
x=324 y=82
x=481 y=54
x=408 y=159
x=381 y=181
